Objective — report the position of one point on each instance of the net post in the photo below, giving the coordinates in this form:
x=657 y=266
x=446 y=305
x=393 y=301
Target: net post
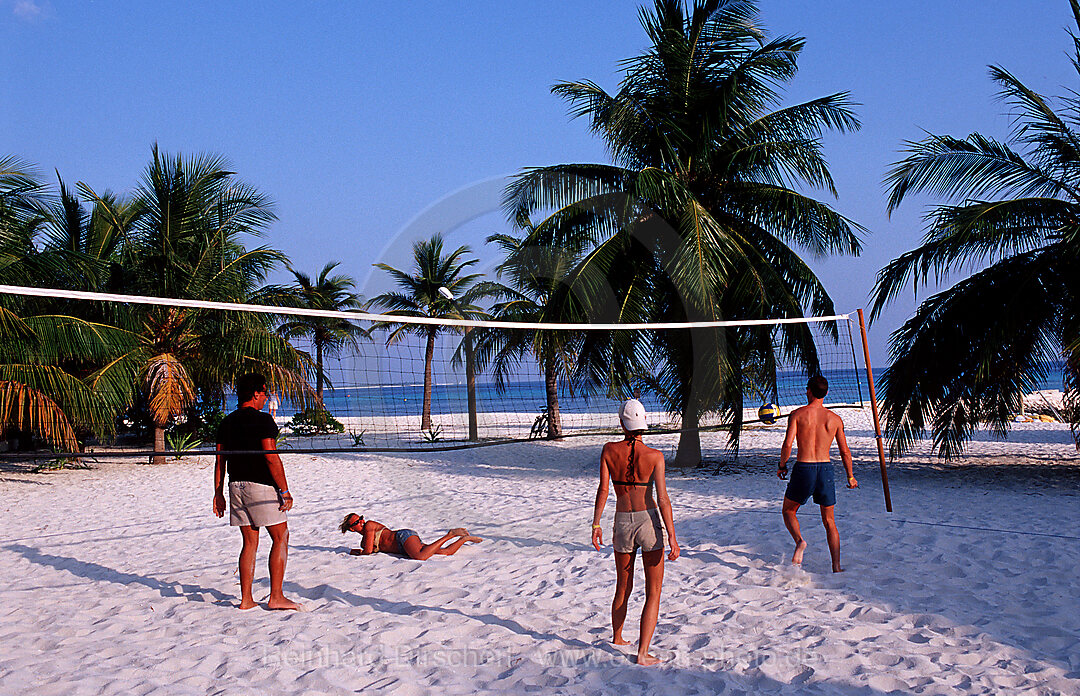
x=470 y=385
x=874 y=409
x=855 y=363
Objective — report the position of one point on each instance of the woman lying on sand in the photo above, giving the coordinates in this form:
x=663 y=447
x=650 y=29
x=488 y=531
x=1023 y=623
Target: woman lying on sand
x=378 y=537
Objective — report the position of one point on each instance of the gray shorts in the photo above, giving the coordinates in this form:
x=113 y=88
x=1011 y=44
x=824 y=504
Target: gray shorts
x=638 y=529
x=254 y=505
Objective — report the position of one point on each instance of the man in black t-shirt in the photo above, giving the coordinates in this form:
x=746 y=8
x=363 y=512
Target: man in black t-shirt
x=258 y=492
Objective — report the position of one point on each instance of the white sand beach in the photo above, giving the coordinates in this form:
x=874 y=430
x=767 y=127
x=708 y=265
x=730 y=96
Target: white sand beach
x=119 y=580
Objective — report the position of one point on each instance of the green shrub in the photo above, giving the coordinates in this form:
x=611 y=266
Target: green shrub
x=432 y=434
x=210 y=421
x=181 y=443
x=314 y=421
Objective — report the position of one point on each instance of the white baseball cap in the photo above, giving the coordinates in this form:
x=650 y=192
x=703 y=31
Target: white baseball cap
x=632 y=415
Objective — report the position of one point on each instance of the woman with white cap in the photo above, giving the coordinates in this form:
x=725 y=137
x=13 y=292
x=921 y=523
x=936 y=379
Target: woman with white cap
x=636 y=470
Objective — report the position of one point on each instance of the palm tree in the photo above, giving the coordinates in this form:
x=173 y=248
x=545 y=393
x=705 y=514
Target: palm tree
x=22 y=199
x=420 y=297
x=970 y=352
x=326 y=292
x=40 y=394
x=185 y=243
x=694 y=219
x=44 y=353
x=535 y=273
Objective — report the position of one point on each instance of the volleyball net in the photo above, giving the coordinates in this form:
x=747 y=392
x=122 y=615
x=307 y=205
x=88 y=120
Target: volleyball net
x=402 y=383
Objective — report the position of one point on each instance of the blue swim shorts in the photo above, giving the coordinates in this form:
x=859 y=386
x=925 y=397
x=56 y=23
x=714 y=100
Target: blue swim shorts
x=812 y=478
x=402 y=535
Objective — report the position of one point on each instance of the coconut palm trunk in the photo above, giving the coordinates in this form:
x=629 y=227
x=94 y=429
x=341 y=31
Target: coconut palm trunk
x=551 y=386
x=688 y=453
x=429 y=356
x=319 y=379
x=159 y=443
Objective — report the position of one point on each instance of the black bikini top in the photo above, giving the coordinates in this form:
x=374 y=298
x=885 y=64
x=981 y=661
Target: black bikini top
x=631 y=461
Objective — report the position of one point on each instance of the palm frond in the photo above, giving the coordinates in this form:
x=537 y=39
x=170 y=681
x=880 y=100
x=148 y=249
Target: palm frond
x=29 y=409
x=976 y=168
x=169 y=387
x=977 y=232
x=970 y=353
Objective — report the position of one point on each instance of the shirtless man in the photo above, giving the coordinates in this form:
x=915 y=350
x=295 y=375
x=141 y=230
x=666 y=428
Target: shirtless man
x=814 y=427
x=378 y=537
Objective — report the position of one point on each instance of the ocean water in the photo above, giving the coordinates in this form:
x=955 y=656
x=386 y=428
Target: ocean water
x=529 y=397
x=847 y=386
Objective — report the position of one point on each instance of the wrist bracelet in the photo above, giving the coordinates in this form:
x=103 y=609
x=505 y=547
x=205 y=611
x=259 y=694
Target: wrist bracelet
x=597 y=526
x=284 y=492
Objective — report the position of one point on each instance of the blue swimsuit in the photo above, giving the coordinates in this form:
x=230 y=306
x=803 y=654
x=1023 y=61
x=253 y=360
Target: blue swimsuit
x=812 y=478
x=401 y=535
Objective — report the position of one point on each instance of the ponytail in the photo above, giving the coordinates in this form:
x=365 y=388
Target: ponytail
x=630 y=460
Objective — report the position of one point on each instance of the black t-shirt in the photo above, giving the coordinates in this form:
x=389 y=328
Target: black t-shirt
x=245 y=429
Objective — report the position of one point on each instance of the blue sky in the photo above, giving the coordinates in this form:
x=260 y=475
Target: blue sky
x=371 y=124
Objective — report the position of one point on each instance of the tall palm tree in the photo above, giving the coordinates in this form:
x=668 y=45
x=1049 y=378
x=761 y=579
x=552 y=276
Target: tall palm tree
x=534 y=275
x=326 y=292
x=972 y=351
x=84 y=248
x=42 y=354
x=41 y=395
x=694 y=219
x=185 y=243
x=420 y=297
x=22 y=200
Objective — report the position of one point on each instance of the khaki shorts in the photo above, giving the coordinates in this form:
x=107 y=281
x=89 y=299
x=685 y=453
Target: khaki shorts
x=638 y=529
x=254 y=505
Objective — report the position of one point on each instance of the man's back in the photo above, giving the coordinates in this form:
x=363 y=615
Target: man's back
x=245 y=429
x=815 y=429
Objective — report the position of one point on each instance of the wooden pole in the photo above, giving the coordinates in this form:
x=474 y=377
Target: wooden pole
x=873 y=407
x=470 y=384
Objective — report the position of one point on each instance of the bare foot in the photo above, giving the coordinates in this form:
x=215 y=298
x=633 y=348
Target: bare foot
x=619 y=640
x=473 y=539
x=837 y=569
x=283 y=603
x=356 y=552
x=647 y=659
x=796 y=558
x=459 y=531
x=248 y=604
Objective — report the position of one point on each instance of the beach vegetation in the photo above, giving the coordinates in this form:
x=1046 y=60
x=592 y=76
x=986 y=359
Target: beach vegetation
x=972 y=351
x=432 y=434
x=180 y=235
x=186 y=242
x=314 y=421
x=328 y=291
x=44 y=351
x=698 y=216
x=181 y=443
x=533 y=274
x=418 y=296
x=204 y=418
